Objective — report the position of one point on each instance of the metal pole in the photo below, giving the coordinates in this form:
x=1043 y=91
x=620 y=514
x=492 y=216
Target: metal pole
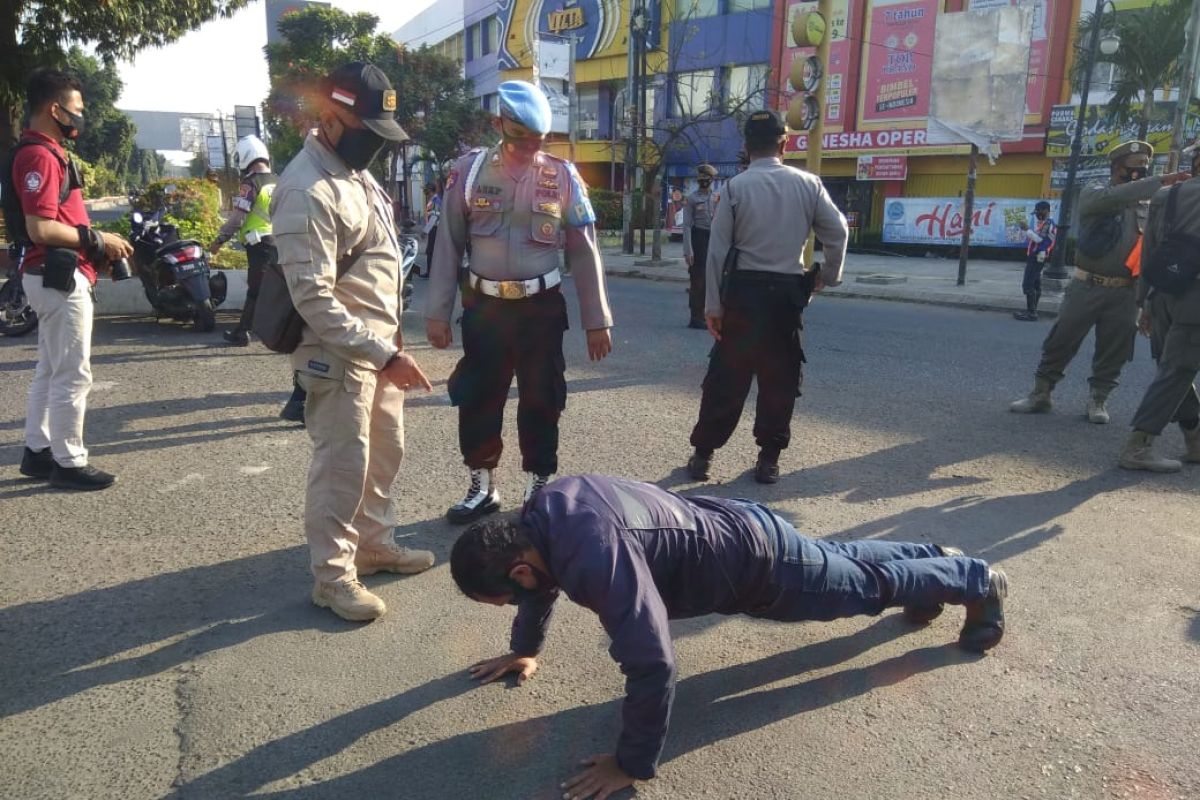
x=968 y=216
x=224 y=140
x=816 y=134
x=630 y=143
x=572 y=102
x=1187 y=87
x=641 y=44
x=1057 y=270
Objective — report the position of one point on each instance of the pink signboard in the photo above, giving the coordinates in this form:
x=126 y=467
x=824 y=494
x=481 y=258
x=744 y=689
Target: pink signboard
x=882 y=168
x=897 y=60
x=1039 y=51
x=838 y=77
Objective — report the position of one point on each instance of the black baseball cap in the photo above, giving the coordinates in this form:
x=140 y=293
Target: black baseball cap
x=365 y=90
x=764 y=123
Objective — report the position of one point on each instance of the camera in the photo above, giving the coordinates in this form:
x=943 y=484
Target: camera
x=120 y=269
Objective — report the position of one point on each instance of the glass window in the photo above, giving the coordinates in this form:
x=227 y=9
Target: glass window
x=747 y=5
x=485 y=36
x=472 y=43
x=695 y=9
x=494 y=35
x=588 y=114
x=748 y=86
x=694 y=92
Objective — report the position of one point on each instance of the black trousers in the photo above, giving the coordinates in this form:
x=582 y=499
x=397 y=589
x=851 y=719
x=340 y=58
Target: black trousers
x=503 y=338
x=1031 y=283
x=258 y=256
x=696 y=273
x=429 y=243
x=760 y=338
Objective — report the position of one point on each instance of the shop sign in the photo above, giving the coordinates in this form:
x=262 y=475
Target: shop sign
x=1102 y=131
x=898 y=63
x=939 y=220
x=594 y=24
x=901 y=140
x=838 y=89
x=882 y=168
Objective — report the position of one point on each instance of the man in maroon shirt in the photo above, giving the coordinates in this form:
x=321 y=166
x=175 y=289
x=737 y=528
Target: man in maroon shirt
x=61 y=257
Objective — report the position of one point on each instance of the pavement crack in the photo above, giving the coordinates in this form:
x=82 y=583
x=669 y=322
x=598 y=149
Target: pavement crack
x=185 y=684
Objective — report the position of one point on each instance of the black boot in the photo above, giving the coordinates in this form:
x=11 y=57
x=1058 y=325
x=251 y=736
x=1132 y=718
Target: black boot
x=766 y=470
x=1030 y=312
x=37 y=463
x=985 y=618
x=236 y=337
x=699 y=464
x=923 y=615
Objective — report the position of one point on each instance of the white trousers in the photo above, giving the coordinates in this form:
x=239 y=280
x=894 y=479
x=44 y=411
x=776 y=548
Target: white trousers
x=63 y=378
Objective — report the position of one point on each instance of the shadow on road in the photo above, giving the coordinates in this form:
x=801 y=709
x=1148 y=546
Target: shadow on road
x=531 y=757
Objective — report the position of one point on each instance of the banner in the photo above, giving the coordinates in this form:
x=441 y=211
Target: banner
x=839 y=88
x=882 y=168
x=897 y=60
x=939 y=220
x=1102 y=132
x=897 y=140
x=1039 y=49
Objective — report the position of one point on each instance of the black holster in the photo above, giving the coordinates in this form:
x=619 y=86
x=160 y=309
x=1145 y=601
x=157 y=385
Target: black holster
x=58 y=269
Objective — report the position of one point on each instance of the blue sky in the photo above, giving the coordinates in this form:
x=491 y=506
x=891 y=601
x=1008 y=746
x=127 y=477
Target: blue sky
x=222 y=65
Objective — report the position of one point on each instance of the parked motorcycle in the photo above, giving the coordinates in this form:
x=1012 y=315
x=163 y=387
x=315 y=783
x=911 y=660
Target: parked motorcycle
x=17 y=318
x=175 y=272
x=408 y=257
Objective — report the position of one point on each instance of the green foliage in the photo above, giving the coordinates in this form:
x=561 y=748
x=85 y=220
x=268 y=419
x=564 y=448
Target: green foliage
x=192 y=205
x=1148 y=58
x=608 y=208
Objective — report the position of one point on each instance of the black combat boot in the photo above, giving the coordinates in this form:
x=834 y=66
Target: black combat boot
x=766 y=470
x=699 y=464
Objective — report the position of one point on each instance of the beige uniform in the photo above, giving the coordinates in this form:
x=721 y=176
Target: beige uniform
x=324 y=214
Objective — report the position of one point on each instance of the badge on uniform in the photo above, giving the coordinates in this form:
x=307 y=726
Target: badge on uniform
x=318 y=366
x=550 y=208
x=547 y=229
x=548 y=184
x=545 y=194
x=549 y=172
x=483 y=202
x=452 y=179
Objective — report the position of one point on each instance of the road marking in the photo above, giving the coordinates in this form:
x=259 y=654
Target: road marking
x=191 y=477
x=259 y=470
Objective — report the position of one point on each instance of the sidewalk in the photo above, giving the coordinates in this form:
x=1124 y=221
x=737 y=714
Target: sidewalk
x=994 y=285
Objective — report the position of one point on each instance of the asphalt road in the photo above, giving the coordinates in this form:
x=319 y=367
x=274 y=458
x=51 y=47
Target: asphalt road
x=156 y=640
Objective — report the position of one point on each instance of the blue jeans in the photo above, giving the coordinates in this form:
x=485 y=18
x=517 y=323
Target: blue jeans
x=820 y=580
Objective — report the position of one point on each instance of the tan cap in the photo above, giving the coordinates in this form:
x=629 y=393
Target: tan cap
x=1134 y=148
x=707 y=169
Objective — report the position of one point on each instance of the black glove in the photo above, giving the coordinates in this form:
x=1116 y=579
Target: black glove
x=91 y=244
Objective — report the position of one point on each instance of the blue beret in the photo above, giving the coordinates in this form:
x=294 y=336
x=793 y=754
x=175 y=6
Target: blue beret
x=525 y=104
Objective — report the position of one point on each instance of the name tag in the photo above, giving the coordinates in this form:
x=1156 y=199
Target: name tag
x=318 y=366
x=545 y=194
x=546 y=184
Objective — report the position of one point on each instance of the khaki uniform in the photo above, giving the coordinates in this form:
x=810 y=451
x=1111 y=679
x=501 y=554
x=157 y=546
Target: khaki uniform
x=1103 y=296
x=322 y=214
x=1175 y=335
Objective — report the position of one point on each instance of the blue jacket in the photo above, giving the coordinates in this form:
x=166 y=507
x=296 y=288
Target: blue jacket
x=638 y=555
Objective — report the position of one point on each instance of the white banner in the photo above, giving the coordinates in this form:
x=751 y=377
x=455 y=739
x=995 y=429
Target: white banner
x=939 y=220
x=553 y=59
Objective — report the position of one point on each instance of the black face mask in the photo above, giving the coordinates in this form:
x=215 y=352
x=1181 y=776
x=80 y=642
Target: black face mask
x=1135 y=174
x=73 y=130
x=704 y=184
x=358 y=147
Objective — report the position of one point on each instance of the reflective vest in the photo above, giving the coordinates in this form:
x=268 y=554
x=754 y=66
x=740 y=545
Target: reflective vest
x=258 y=218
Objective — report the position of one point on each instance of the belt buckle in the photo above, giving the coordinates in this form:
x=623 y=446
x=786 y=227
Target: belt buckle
x=512 y=290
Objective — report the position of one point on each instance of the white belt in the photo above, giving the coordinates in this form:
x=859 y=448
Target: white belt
x=516 y=290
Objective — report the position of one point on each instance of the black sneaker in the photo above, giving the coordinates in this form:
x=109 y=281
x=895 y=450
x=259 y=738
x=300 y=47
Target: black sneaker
x=81 y=479
x=293 y=411
x=699 y=465
x=1026 y=316
x=236 y=338
x=985 y=618
x=37 y=463
x=923 y=615
x=697 y=325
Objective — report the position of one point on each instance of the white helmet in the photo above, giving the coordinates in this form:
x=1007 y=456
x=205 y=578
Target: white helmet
x=249 y=150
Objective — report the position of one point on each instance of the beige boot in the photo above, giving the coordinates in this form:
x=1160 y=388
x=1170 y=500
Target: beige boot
x=349 y=599
x=1038 y=401
x=391 y=557
x=1192 y=438
x=1097 y=414
x=1139 y=454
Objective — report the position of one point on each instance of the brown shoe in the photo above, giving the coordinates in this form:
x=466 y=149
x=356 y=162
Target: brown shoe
x=349 y=599
x=391 y=557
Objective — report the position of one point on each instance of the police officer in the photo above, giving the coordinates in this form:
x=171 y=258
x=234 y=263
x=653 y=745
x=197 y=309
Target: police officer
x=511 y=203
x=1040 y=243
x=698 y=210
x=337 y=245
x=250 y=222
x=1102 y=294
x=765 y=214
x=1173 y=323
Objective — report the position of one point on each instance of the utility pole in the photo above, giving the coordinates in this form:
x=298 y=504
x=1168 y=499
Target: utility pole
x=968 y=215
x=816 y=134
x=641 y=41
x=224 y=140
x=631 y=138
x=1187 y=87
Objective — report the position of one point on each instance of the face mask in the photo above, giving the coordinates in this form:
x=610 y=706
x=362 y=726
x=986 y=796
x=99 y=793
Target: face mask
x=358 y=147
x=1134 y=174
x=74 y=129
x=704 y=184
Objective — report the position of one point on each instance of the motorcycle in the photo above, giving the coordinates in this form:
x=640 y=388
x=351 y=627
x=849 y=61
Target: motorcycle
x=175 y=272
x=408 y=256
x=17 y=318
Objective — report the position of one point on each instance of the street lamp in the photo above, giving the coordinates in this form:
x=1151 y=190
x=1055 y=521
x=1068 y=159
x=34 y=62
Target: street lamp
x=1107 y=43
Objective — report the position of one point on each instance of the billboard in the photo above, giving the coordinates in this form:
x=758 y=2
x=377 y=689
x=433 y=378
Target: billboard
x=598 y=27
x=939 y=220
x=1102 y=131
x=897 y=62
x=839 y=83
x=1038 y=80
x=881 y=168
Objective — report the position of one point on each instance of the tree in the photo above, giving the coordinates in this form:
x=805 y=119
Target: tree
x=434 y=103
x=107 y=139
x=33 y=32
x=1148 y=58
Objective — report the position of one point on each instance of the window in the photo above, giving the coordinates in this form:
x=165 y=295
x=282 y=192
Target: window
x=694 y=92
x=488 y=35
x=1104 y=76
x=588 y=115
x=473 y=43
x=490 y=103
x=747 y=86
x=695 y=9
x=494 y=35
x=736 y=6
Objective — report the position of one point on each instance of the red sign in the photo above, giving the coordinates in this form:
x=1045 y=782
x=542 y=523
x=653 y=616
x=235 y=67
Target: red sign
x=882 y=168
x=898 y=61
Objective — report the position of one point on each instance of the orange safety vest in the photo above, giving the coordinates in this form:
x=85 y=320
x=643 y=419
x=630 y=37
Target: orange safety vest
x=1133 y=262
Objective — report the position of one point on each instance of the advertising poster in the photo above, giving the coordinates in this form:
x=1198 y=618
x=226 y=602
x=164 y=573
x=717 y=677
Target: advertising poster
x=897 y=60
x=838 y=92
x=1102 y=132
x=1039 y=50
x=939 y=220
x=882 y=168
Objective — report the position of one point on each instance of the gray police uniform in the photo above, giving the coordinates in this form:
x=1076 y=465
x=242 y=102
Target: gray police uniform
x=514 y=314
x=697 y=224
x=767 y=213
x=1175 y=335
x=1102 y=293
x=323 y=214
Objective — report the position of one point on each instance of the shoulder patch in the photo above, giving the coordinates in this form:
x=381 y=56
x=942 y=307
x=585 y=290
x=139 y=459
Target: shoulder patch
x=451 y=179
x=33 y=181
